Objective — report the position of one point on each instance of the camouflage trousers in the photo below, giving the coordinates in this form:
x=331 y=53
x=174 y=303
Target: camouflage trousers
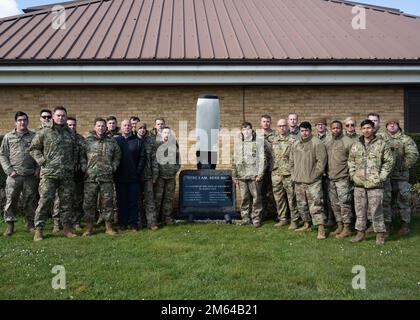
x=164 y=190
x=400 y=191
x=327 y=203
x=284 y=194
x=251 y=201
x=147 y=208
x=77 y=204
x=310 y=202
x=340 y=192
x=27 y=186
x=387 y=201
x=368 y=202
x=268 y=201
x=105 y=192
x=47 y=192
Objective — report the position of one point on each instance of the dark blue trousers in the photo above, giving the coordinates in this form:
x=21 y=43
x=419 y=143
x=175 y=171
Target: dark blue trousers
x=128 y=203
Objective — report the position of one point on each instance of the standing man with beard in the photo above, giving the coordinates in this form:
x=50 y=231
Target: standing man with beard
x=293 y=122
x=21 y=170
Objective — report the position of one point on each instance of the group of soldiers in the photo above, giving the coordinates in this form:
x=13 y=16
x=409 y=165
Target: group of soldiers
x=55 y=171
x=334 y=178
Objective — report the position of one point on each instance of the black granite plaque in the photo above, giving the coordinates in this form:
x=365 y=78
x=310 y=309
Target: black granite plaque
x=206 y=194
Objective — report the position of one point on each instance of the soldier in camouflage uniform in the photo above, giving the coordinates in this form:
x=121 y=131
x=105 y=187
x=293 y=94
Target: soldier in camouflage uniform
x=283 y=186
x=168 y=159
x=293 y=123
x=370 y=164
x=387 y=196
x=150 y=173
x=249 y=165
x=269 y=203
x=21 y=170
x=54 y=149
x=100 y=159
x=78 y=181
x=113 y=131
x=406 y=155
x=307 y=165
x=340 y=188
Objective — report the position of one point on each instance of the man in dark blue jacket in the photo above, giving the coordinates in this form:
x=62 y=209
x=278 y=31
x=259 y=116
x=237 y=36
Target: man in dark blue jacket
x=127 y=177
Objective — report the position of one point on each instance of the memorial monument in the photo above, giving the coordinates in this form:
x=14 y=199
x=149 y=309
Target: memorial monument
x=207 y=193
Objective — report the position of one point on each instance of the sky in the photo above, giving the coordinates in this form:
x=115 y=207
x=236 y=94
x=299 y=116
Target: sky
x=13 y=7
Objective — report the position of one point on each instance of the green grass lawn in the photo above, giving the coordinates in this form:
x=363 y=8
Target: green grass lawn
x=208 y=261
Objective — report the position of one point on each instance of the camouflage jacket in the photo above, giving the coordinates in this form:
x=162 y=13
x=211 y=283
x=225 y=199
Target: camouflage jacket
x=100 y=158
x=370 y=165
x=405 y=154
x=115 y=133
x=151 y=169
x=280 y=155
x=338 y=150
x=308 y=160
x=78 y=170
x=167 y=158
x=249 y=158
x=55 y=149
x=14 y=153
x=295 y=133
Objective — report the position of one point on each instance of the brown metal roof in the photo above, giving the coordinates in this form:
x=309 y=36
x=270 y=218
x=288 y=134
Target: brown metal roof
x=209 y=30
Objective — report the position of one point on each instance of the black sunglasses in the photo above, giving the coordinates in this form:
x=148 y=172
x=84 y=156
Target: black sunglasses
x=46 y=117
x=350 y=125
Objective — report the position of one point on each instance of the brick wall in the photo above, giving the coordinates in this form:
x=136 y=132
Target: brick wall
x=176 y=103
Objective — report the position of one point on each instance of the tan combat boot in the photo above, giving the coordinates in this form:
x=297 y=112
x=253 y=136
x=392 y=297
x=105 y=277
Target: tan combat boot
x=370 y=229
x=321 y=232
x=154 y=227
x=338 y=230
x=67 y=231
x=293 y=225
x=56 y=228
x=89 y=229
x=359 y=237
x=10 y=229
x=109 y=231
x=380 y=238
x=345 y=233
x=38 y=234
x=282 y=223
x=404 y=230
x=306 y=228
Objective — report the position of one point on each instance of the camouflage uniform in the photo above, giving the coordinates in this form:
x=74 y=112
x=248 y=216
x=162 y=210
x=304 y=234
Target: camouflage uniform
x=54 y=149
x=369 y=167
x=150 y=173
x=248 y=164
x=101 y=157
x=295 y=132
x=167 y=155
x=78 y=187
x=268 y=200
x=283 y=186
x=340 y=188
x=325 y=138
x=406 y=155
x=307 y=165
x=14 y=156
